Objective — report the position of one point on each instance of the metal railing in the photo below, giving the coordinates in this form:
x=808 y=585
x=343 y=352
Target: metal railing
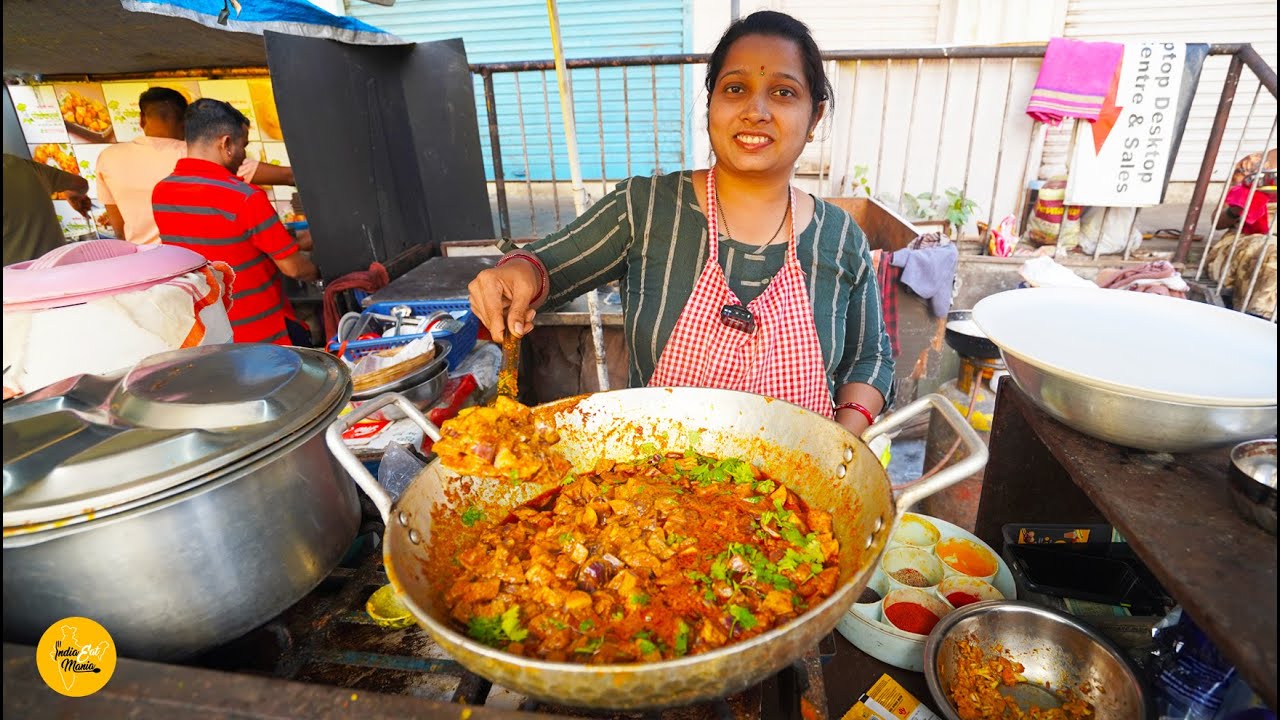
x=833 y=168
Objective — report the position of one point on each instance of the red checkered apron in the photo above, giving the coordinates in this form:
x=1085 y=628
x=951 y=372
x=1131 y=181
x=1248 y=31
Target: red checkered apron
x=781 y=359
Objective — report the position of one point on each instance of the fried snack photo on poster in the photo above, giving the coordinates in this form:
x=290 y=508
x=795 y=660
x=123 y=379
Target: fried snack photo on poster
x=58 y=155
x=264 y=107
x=84 y=112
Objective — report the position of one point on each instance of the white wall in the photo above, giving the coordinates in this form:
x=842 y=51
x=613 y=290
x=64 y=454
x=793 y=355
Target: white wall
x=873 y=115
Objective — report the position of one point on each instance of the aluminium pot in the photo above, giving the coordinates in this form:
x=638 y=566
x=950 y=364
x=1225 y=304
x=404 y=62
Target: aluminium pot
x=829 y=467
x=204 y=500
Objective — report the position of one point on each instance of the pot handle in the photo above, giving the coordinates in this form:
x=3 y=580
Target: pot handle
x=976 y=459
x=333 y=437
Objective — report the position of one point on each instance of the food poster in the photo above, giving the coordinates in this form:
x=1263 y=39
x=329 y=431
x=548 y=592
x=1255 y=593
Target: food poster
x=256 y=151
x=86 y=157
x=74 y=225
x=122 y=104
x=84 y=113
x=59 y=155
x=264 y=108
x=276 y=154
x=235 y=92
x=37 y=108
x=189 y=89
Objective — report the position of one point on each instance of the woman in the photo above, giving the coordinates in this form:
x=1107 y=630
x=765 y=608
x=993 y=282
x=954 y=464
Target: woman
x=729 y=277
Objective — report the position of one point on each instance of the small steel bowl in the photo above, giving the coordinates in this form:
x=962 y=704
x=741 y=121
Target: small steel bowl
x=1252 y=479
x=422 y=387
x=1057 y=650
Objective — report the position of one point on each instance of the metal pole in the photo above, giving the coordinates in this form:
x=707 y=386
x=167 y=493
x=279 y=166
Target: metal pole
x=1222 y=197
x=524 y=154
x=1210 y=158
x=604 y=171
x=495 y=147
x=1035 y=149
x=1004 y=124
x=1257 y=268
x=579 y=191
x=884 y=111
x=1128 y=237
x=942 y=129
x=657 y=150
x=1058 y=250
x=845 y=184
x=968 y=156
x=551 y=150
x=1244 y=211
x=911 y=118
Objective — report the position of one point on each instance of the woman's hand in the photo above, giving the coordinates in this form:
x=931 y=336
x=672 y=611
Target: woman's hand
x=501 y=296
x=866 y=396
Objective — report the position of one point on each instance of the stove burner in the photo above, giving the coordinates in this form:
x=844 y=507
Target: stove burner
x=328 y=638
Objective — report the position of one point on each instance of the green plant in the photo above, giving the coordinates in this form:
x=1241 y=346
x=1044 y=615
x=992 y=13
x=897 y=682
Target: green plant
x=917 y=207
x=861 y=185
x=956 y=208
x=952 y=206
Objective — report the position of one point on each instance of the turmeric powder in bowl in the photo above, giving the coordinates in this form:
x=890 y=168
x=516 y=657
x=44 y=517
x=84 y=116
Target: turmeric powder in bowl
x=966 y=557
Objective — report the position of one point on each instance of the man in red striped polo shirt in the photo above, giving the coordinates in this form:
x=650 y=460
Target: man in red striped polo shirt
x=204 y=207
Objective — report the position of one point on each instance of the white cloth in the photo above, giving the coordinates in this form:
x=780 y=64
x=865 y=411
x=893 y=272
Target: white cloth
x=1045 y=272
x=101 y=336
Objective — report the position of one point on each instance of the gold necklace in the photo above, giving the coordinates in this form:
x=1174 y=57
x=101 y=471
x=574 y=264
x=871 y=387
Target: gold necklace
x=725 y=219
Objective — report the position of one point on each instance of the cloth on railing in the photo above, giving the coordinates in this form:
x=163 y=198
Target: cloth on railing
x=370 y=281
x=929 y=271
x=887 y=280
x=1074 y=79
x=1256 y=219
x=1234 y=262
x=1159 y=277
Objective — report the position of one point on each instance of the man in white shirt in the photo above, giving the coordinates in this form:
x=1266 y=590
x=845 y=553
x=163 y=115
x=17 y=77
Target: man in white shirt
x=128 y=172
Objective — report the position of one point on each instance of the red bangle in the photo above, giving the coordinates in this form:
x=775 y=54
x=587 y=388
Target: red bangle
x=855 y=406
x=537 y=266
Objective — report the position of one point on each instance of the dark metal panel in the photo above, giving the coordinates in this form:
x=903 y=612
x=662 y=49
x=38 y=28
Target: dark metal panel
x=14 y=142
x=384 y=146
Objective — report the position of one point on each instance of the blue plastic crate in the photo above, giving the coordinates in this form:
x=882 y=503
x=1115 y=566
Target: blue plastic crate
x=461 y=343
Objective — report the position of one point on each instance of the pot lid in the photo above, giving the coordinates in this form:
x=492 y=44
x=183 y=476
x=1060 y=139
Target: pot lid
x=82 y=271
x=90 y=443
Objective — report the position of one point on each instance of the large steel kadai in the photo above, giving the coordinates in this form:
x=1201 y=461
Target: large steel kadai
x=829 y=467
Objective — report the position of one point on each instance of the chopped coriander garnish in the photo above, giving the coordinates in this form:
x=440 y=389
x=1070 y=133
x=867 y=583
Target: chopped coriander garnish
x=586 y=625
x=590 y=647
x=743 y=617
x=682 y=638
x=472 y=515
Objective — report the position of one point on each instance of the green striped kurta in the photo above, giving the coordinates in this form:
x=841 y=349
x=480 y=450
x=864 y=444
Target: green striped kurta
x=651 y=235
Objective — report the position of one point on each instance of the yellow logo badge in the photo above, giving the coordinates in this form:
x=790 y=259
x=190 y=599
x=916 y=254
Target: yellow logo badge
x=76 y=656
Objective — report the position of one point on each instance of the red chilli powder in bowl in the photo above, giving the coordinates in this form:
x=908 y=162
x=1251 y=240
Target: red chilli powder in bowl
x=911 y=617
x=960 y=599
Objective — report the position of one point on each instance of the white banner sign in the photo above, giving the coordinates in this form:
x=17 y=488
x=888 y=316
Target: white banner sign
x=1122 y=159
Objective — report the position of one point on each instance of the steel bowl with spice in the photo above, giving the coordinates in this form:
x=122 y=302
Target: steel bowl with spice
x=984 y=655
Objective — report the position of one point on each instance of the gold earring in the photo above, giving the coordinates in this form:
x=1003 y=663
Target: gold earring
x=810 y=137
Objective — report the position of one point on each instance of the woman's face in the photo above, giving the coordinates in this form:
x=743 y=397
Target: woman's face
x=761 y=109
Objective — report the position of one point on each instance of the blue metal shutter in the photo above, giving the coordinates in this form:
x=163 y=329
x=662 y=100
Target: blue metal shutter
x=515 y=30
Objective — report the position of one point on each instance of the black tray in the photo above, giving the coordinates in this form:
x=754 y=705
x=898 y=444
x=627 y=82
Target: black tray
x=1096 y=574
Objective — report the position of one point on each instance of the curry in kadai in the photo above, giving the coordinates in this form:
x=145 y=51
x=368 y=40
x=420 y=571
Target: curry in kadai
x=653 y=559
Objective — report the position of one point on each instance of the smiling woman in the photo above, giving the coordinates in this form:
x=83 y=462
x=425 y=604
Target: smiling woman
x=729 y=276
